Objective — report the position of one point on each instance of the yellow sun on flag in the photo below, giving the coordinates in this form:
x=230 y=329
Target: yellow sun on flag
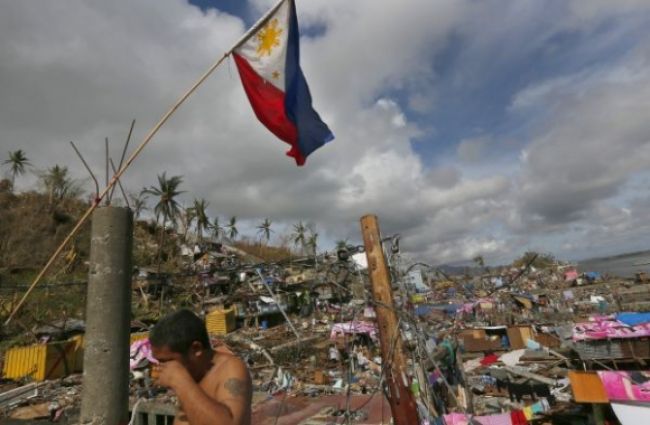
x=268 y=38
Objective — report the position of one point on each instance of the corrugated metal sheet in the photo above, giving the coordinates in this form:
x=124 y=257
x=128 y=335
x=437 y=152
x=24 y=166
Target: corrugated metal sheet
x=602 y=349
x=41 y=361
x=49 y=361
x=220 y=322
x=637 y=348
x=79 y=352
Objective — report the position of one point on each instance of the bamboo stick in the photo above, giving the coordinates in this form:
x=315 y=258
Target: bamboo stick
x=135 y=154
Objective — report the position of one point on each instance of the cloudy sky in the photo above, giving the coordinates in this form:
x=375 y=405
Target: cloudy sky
x=470 y=127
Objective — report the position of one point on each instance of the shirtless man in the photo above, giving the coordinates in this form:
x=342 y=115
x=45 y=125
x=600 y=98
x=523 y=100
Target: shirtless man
x=212 y=385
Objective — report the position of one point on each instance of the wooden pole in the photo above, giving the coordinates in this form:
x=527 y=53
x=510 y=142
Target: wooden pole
x=402 y=402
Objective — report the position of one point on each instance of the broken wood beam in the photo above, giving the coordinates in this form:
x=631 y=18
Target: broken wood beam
x=295 y=343
x=530 y=375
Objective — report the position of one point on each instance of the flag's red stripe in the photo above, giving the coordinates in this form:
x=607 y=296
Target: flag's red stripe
x=268 y=103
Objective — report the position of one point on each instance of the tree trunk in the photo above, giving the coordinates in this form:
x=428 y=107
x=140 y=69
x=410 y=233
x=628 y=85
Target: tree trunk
x=160 y=243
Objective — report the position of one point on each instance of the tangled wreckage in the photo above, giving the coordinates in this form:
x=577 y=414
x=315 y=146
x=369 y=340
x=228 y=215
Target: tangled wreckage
x=327 y=343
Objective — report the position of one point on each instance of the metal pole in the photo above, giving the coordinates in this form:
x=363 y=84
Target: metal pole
x=286 y=317
x=105 y=396
x=402 y=402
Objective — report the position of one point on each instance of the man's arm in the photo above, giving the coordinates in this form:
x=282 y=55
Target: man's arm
x=229 y=405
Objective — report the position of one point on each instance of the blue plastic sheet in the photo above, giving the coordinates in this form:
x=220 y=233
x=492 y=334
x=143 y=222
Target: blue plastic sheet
x=633 y=319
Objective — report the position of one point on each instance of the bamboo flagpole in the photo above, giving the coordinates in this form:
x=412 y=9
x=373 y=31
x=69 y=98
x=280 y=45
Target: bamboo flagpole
x=135 y=154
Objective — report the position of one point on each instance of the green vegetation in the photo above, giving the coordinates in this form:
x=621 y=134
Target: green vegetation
x=33 y=223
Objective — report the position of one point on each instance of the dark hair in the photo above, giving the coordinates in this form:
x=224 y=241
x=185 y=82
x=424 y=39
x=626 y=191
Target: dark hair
x=178 y=331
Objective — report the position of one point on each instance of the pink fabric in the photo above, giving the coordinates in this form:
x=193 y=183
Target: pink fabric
x=456 y=419
x=358 y=327
x=462 y=419
x=465 y=308
x=604 y=327
x=620 y=386
x=502 y=419
x=570 y=275
x=140 y=350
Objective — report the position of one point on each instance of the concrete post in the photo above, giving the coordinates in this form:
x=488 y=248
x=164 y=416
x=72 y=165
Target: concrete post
x=105 y=397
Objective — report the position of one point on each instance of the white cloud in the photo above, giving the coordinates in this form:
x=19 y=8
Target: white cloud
x=81 y=71
x=472 y=150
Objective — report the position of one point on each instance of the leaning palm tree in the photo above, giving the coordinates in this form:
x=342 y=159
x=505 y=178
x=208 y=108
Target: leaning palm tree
x=202 y=220
x=17 y=163
x=264 y=230
x=232 y=228
x=167 y=208
x=299 y=235
x=217 y=229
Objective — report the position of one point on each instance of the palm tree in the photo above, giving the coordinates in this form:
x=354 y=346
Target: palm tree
x=264 y=230
x=341 y=244
x=232 y=228
x=138 y=204
x=312 y=242
x=187 y=217
x=17 y=162
x=298 y=235
x=202 y=220
x=59 y=184
x=167 y=207
x=217 y=230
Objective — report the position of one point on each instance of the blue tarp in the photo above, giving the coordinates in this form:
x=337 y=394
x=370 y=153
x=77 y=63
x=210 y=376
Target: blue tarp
x=633 y=319
x=423 y=309
x=452 y=308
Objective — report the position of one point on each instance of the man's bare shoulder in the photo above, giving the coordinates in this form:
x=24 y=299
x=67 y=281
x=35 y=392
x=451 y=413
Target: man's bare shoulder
x=230 y=373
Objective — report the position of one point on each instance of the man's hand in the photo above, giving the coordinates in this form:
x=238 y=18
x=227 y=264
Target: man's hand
x=170 y=374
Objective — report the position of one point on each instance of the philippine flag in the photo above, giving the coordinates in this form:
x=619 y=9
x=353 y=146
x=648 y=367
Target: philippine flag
x=268 y=64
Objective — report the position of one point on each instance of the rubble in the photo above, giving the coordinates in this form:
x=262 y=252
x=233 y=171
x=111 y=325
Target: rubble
x=520 y=344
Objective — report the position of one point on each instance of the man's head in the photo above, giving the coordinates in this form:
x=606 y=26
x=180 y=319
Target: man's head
x=181 y=336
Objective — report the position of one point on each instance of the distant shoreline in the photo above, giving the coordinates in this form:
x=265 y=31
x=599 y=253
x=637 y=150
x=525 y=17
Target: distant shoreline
x=614 y=257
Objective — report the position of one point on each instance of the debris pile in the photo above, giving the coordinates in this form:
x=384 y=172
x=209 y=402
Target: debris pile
x=510 y=345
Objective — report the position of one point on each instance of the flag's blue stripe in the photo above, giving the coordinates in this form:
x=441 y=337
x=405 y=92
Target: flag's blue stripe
x=312 y=131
